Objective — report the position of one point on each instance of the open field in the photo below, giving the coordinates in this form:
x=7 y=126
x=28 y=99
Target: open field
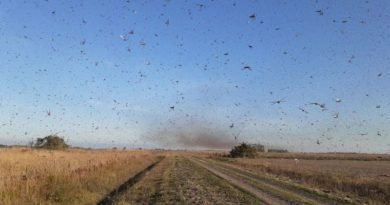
x=65 y=177
x=365 y=180
x=326 y=156
x=160 y=177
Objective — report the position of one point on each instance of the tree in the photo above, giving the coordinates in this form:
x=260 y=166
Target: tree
x=243 y=150
x=51 y=142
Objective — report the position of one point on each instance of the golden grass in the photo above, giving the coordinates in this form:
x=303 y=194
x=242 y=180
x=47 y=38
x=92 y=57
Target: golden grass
x=65 y=177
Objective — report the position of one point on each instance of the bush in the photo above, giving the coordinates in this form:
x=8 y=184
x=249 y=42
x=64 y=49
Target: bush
x=51 y=142
x=243 y=150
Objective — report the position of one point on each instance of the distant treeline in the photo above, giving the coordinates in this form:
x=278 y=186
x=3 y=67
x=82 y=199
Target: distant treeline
x=278 y=150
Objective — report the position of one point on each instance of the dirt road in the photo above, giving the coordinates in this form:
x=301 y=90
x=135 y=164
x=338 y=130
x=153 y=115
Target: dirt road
x=177 y=180
x=194 y=180
x=270 y=191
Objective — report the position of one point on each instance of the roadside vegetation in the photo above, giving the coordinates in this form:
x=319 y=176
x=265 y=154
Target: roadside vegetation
x=243 y=150
x=39 y=176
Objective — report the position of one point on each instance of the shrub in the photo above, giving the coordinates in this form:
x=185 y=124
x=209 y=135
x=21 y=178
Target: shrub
x=243 y=150
x=51 y=142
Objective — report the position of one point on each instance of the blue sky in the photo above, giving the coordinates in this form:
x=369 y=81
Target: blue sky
x=108 y=72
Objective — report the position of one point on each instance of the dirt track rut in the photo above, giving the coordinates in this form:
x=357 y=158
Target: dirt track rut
x=117 y=193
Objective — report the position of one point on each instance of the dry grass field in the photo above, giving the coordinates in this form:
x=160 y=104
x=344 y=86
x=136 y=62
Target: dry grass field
x=75 y=176
x=65 y=177
x=355 y=176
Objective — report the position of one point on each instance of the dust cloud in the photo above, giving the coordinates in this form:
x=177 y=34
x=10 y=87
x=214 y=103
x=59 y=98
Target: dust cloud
x=193 y=136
